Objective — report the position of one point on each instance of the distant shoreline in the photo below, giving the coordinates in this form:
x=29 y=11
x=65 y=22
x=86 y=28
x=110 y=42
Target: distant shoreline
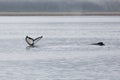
x=59 y=13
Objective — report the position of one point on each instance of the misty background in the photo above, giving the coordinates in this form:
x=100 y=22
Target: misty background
x=59 y=5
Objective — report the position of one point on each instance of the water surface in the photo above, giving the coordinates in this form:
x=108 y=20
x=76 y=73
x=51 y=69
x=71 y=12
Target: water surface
x=64 y=53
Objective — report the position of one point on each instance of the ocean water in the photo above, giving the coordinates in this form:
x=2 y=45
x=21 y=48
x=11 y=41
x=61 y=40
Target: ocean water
x=65 y=52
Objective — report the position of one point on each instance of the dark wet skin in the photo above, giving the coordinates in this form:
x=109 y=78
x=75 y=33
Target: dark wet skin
x=31 y=39
x=99 y=44
x=32 y=45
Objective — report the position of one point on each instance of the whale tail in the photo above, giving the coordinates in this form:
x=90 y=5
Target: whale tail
x=37 y=39
x=29 y=40
x=32 y=41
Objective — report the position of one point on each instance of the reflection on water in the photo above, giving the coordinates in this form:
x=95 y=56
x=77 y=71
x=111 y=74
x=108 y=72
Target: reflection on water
x=29 y=47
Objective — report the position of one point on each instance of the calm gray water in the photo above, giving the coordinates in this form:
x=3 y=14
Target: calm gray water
x=64 y=53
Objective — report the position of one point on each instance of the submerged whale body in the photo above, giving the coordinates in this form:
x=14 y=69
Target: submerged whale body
x=32 y=41
x=99 y=44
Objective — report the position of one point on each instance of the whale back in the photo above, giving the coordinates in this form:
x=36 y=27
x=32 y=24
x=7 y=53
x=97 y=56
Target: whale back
x=99 y=43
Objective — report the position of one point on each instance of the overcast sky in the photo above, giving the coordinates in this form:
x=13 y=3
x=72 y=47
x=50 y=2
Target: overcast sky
x=59 y=5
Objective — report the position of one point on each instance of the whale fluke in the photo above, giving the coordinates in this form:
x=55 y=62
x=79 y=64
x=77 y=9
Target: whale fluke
x=37 y=39
x=32 y=41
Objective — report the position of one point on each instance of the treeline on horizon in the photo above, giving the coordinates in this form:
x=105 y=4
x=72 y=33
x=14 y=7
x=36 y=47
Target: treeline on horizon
x=59 y=6
x=59 y=14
